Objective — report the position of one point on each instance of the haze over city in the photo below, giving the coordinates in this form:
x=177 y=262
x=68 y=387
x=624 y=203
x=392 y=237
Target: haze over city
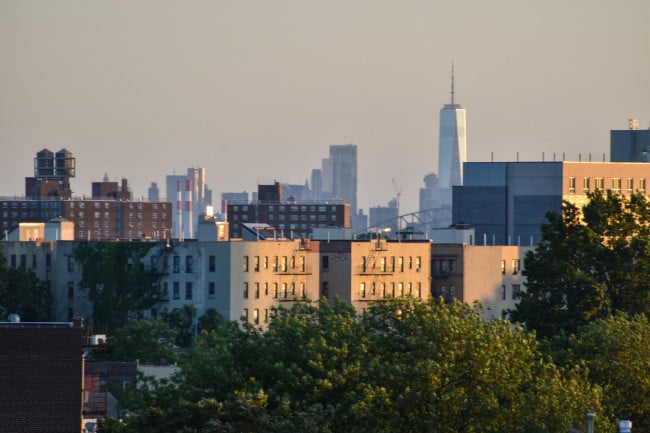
x=256 y=91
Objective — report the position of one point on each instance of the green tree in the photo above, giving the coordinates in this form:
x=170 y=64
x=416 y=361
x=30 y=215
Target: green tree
x=114 y=276
x=22 y=293
x=402 y=366
x=616 y=351
x=591 y=263
x=183 y=322
x=148 y=340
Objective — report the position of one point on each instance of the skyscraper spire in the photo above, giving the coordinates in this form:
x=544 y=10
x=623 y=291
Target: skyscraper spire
x=452 y=82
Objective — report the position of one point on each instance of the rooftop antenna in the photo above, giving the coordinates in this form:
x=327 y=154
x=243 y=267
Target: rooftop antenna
x=452 y=82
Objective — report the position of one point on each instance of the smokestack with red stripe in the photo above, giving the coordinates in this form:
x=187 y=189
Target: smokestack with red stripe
x=188 y=209
x=179 y=209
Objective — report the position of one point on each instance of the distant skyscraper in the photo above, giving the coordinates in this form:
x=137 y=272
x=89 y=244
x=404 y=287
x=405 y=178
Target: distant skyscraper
x=452 y=145
x=153 y=193
x=343 y=161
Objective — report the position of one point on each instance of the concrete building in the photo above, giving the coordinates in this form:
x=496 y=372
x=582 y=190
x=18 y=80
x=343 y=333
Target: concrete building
x=630 y=145
x=41 y=376
x=491 y=275
x=506 y=202
x=384 y=216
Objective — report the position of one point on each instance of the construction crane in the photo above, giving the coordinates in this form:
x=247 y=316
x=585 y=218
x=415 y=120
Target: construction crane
x=398 y=191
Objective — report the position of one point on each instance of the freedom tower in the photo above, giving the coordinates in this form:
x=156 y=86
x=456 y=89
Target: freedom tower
x=452 y=146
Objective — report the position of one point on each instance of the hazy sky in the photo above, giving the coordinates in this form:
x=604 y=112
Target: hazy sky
x=256 y=90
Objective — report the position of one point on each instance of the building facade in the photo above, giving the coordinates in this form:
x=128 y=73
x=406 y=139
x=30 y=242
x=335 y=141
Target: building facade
x=41 y=376
x=630 y=145
x=506 y=202
x=490 y=275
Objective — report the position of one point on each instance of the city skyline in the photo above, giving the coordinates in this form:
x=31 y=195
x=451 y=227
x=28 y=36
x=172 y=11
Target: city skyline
x=258 y=91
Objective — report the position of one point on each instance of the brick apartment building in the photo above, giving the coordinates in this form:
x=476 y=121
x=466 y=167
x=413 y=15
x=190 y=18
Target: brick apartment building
x=108 y=214
x=41 y=377
x=290 y=219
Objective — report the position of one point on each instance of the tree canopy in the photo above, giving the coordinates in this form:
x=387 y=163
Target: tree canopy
x=22 y=293
x=114 y=276
x=591 y=263
x=404 y=365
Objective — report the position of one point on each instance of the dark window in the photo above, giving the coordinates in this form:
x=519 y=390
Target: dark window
x=70 y=289
x=176 y=290
x=325 y=289
x=70 y=264
x=212 y=263
x=33 y=261
x=211 y=288
x=188 y=290
x=189 y=264
x=245 y=290
x=176 y=264
x=13 y=260
x=325 y=263
x=48 y=260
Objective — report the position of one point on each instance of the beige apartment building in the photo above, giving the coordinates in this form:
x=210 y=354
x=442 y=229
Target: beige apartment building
x=360 y=272
x=489 y=274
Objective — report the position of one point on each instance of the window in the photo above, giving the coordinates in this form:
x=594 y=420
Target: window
x=642 y=185
x=70 y=289
x=572 y=185
x=363 y=263
x=293 y=289
x=503 y=292
x=400 y=289
x=212 y=263
x=165 y=290
x=418 y=263
x=266 y=315
x=400 y=264
x=452 y=266
x=285 y=292
x=325 y=289
x=585 y=184
x=266 y=262
x=256 y=316
x=245 y=264
x=176 y=264
x=629 y=184
x=257 y=290
x=382 y=290
x=245 y=315
x=70 y=264
x=275 y=290
x=516 y=291
x=503 y=266
x=515 y=266
x=616 y=184
x=419 y=290
x=452 y=291
x=283 y=264
x=362 y=290
x=599 y=183
x=392 y=263
x=189 y=264
x=325 y=263
x=176 y=290
x=211 y=290
x=48 y=260
x=23 y=261
x=383 y=264
x=245 y=290
x=256 y=263
x=33 y=261
x=188 y=290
